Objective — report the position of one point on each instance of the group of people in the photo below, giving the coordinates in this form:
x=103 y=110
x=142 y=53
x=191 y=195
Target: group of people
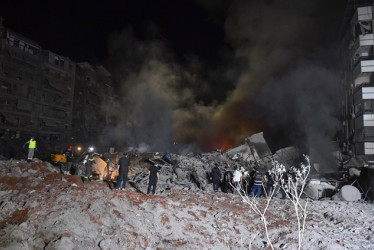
x=123 y=172
x=232 y=182
x=254 y=183
x=89 y=161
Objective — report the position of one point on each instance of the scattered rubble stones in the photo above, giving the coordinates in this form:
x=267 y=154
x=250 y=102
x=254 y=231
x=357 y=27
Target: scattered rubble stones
x=43 y=209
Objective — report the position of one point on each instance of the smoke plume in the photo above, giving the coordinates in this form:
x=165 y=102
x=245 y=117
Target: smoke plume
x=267 y=84
x=157 y=97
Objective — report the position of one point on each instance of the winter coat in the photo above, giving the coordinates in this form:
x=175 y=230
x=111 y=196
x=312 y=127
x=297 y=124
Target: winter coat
x=216 y=173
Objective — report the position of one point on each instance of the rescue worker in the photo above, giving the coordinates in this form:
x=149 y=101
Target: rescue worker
x=216 y=177
x=153 y=178
x=227 y=179
x=69 y=159
x=123 y=172
x=88 y=162
x=32 y=148
x=257 y=185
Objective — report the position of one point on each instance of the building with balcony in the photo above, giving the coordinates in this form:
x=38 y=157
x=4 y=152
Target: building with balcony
x=93 y=92
x=48 y=95
x=37 y=86
x=359 y=84
x=57 y=93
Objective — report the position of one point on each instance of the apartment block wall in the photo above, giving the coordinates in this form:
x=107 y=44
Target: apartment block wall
x=48 y=95
x=359 y=84
x=93 y=90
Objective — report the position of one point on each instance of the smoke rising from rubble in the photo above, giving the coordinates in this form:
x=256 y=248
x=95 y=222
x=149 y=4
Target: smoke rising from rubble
x=268 y=35
x=303 y=105
x=160 y=102
x=157 y=101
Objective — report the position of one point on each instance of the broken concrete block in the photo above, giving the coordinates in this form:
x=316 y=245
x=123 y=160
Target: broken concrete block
x=349 y=193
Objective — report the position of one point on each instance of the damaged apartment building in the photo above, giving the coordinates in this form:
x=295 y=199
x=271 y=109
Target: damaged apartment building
x=48 y=95
x=358 y=122
x=359 y=81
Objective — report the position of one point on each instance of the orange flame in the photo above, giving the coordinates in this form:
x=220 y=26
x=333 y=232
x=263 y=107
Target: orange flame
x=219 y=143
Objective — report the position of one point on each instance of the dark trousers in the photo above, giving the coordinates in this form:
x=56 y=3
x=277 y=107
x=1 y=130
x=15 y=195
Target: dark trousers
x=121 y=180
x=88 y=172
x=215 y=184
x=269 y=187
x=227 y=187
x=152 y=182
x=68 y=166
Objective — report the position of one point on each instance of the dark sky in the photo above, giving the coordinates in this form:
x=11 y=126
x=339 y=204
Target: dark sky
x=218 y=70
x=80 y=29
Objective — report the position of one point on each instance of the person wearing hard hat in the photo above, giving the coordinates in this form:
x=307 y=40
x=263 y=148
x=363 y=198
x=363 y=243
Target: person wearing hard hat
x=32 y=148
x=69 y=158
x=88 y=162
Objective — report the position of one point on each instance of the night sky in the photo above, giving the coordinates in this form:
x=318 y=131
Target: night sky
x=80 y=29
x=207 y=73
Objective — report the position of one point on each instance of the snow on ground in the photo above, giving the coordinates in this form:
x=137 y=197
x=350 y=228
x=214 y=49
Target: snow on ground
x=40 y=208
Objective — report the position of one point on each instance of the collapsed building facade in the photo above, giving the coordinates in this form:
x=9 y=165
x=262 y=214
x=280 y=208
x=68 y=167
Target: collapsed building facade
x=47 y=95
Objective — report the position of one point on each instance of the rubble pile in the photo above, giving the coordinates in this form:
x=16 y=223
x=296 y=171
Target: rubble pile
x=40 y=208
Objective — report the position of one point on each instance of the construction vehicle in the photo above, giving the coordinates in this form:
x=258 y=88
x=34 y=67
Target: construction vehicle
x=58 y=158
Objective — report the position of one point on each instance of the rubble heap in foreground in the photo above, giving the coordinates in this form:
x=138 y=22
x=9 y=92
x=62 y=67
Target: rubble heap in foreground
x=41 y=208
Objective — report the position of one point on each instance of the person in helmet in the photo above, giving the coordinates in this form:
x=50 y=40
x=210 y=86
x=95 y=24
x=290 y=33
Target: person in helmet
x=69 y=158
x=88 y=163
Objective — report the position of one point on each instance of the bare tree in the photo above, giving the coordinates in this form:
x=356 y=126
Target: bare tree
x=293 y=186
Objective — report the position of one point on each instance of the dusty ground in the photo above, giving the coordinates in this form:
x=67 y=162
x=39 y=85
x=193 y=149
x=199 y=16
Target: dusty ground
x=42 y=209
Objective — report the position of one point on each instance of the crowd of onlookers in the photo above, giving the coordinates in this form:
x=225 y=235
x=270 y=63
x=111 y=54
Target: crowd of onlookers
x=254 y=182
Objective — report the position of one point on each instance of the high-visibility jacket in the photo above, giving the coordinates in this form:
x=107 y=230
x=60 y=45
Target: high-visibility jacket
x=32 y=144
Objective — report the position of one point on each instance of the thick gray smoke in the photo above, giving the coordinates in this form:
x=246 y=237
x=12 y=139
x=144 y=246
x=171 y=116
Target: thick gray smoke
x=303 y=105
x=159 y=102
x=156 y=96
x=297 y=98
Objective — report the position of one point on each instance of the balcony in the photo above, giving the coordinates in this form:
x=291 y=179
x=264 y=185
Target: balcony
x=362 y=71
x=364 y=93
x=364 y=148
x=362 y=45
x=365 y=120
x=364 y=13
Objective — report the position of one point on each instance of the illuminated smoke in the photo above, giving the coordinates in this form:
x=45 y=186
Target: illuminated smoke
x=159 y=99
x=156 y=105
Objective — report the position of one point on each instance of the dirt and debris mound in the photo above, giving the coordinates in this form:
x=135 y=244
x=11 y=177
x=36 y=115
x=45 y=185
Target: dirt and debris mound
x=43 y=209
